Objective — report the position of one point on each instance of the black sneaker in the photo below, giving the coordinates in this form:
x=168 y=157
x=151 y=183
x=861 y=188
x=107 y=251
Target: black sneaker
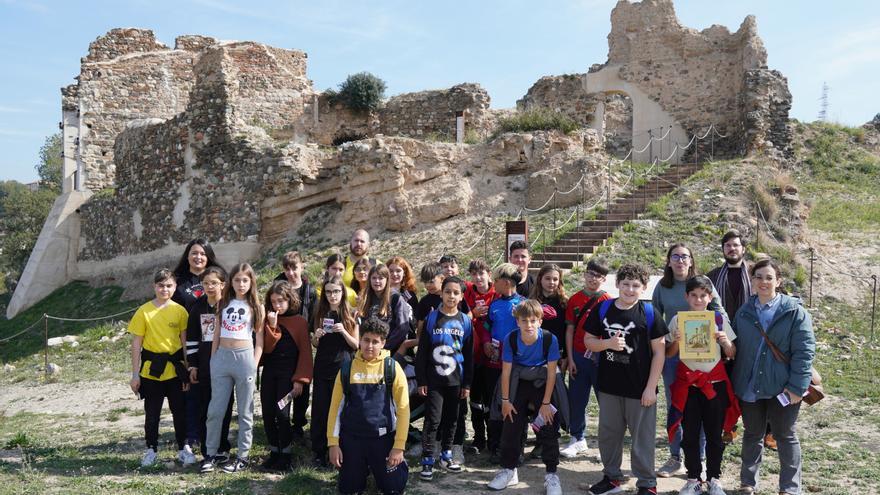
x=270 y=462
x=235 y=466
x=221 y=458
x=647 y=491
x=284 y=463
x=475 y=448
x=208 y=465
x=607 y=486
x=320 y=462
x=427 y=472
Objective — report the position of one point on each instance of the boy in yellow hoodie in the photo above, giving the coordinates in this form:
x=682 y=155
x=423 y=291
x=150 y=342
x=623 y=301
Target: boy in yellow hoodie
x=369 y=395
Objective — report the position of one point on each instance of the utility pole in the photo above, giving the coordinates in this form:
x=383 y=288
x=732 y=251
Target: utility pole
x=823 y=109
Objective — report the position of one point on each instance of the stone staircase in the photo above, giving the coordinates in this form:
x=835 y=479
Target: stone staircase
x=571 y=247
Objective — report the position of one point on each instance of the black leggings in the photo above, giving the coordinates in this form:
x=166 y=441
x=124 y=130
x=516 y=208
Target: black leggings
x=154 y=393
x=276 y=384
x=322 y=393
x=205 y=390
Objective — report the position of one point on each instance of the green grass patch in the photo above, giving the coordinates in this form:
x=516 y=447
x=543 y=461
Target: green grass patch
x=540 y=119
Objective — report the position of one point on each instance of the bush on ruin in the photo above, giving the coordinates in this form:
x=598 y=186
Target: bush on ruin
x=360 y=92
x=539 y=119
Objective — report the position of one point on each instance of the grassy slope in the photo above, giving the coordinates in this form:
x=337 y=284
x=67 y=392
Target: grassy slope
x=58 y=459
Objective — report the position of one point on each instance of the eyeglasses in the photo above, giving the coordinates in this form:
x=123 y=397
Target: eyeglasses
x=680 y=257
x=334 y=291
x=766 y=278
x=212 y=284
x=593 y=274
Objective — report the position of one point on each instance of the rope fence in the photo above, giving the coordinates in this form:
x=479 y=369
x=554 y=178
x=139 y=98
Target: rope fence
x=45 y=318
x=550 y=204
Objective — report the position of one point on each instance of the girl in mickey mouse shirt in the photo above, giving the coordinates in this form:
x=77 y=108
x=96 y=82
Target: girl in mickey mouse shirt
x=234 y=358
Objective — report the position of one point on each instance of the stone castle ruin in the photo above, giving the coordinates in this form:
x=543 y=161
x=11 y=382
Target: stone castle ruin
x=229 y=141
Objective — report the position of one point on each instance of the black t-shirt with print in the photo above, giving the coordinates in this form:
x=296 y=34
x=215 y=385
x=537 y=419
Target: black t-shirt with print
x=625 y=373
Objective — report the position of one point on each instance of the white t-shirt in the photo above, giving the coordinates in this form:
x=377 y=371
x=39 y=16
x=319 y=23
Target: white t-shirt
x=237 y=321
x=704 y=365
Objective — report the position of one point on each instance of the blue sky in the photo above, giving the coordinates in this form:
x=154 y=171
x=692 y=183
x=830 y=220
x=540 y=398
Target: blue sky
x=414 y=45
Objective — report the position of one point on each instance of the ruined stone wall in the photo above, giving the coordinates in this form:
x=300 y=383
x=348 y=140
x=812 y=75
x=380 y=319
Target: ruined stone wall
x=433 y=112
x=766 y=102
x=697 y=76
x=267 y=86
x=564 y=94
x=127 y=75
x=195 y=175
x=335 y=122
x=618 y=129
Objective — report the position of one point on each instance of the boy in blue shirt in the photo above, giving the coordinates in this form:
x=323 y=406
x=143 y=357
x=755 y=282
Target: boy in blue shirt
x=499 y=322
x=528 y=378
x=444 y=369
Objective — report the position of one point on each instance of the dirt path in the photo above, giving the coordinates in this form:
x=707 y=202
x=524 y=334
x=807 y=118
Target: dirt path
x=838 y=259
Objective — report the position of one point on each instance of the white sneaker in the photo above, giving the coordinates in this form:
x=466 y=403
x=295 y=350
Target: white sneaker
x=150 y=458
x=574 y=448
x=458 y=454
x=552 y=485
x=692 y=487
x=503 y=479
x=715 y=487
x=671 y=468
x=186 y=456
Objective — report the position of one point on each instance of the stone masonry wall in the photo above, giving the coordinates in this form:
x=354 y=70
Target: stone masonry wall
x=433 y=112
x=564 y=94
x=126 y=76
x=199 y=174
x=766 y=102
x=697 y=76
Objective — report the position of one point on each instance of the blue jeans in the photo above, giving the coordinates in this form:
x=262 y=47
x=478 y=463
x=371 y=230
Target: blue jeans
x=579 y=386
x=669 y=368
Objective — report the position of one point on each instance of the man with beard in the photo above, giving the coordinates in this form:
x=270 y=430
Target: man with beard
x=358 y=247
x=731 y=279
x=734 y=287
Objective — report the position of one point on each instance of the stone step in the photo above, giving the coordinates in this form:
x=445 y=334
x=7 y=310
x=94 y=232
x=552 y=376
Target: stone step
x=562 y=264
x=564 y=247
x=556 y=257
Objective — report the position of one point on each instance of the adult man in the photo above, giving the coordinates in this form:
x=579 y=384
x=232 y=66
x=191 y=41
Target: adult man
x=358 y=247
x=519 y=256
x=731 y=279
x=734 y=287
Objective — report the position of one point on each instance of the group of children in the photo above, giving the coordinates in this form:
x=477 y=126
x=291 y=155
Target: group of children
x=478 y=345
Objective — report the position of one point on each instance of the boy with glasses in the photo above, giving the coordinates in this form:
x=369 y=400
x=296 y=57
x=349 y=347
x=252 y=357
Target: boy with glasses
x=582 y=364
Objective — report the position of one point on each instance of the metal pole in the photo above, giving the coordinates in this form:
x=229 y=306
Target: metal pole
x=485 y=240
x=873 y=306
x=651 y=145
x=46 y=347
x=555 y=207
x=812 y=258
x=712 y=141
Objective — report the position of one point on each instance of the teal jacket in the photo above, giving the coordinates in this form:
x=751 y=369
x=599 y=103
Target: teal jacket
x=792 y=331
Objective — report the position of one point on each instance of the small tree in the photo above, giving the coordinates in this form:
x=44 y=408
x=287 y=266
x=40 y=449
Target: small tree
x=49 y=167
x=361 y=92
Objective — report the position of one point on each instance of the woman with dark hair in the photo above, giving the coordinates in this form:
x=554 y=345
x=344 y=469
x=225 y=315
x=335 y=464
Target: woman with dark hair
x=197 y=255
x=771 y=373
x=669 y=298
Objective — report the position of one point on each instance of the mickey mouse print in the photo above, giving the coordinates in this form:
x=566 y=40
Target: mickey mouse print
x=237 y=320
